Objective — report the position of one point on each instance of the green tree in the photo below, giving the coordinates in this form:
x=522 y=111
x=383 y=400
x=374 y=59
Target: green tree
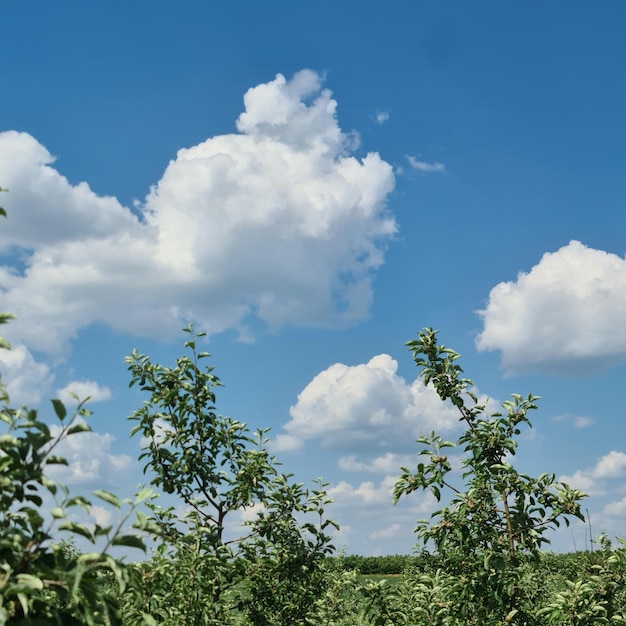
x=217 y=468
x=495 y=523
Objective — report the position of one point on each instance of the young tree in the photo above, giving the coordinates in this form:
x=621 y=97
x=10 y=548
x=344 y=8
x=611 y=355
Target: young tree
x=218 y=468
x=497 y=521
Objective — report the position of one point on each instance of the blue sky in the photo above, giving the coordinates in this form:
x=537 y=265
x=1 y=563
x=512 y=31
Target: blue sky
x=312 y=183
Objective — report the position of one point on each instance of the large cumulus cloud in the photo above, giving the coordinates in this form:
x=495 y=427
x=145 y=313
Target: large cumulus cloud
x=279 y=221
x=567 y=315
x=365 y=407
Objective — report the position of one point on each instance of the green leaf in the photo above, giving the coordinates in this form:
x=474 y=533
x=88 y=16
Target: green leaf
x=81 y=427
x=55 y=459
x=81 y=501
x=28 y=581
x=34 y=498
x=131 y=541
x=108 y=497
x=23 y=598
x=78 y=529
x=144 y=494
x=8 y=440
x=59 y=409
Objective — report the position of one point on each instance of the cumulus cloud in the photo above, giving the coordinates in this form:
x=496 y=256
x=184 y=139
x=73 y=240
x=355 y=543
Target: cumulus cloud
x=591 y=480
x=90 y=460
x=83 y=389
x=44 y=208
x=423 y=166
x=345 y=494
x=366 y=406
x=25 y=379
x=277 y=221
x=381 y=117
x=386 y=464
x=583 y=481
x=615 y=509
x=370 y=502
x=286 y=443
x=386 y=533
x=611 y=465
x=564 y=316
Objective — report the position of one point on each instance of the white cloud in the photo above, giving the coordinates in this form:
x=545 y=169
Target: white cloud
x=101 y=516
x=44 y=208
x=583 y=421
x=381 y=117
x=90 y=461
x=278 y=221
x=565 y=316
x=371 y=503
x=344 y=494
x=286 y=443
x=615 y=509
x=423 y=166
x=385 y=464
x=583 y=481
x=83 y=389
x=386 y=533
x=580 y=421
x=611 y=465
x=26 y=380
x=250 y=513
x=592 y=479
x=367 y=406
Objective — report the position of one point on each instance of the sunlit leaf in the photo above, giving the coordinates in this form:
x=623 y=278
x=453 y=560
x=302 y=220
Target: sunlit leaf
x=107 y=496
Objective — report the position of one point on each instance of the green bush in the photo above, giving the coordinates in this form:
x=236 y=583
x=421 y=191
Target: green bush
x=41 y=580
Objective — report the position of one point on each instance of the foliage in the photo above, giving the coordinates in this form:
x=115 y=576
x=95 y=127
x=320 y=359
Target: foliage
x=383 y=564
x=42 y=582
x=495 y=523
x=487 y=567
x=596 y=596
x=218 y=469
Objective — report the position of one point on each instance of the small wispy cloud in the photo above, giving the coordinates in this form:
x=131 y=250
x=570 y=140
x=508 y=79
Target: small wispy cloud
x=382 y=117
x=577 y=421
x=424 y=166
x=583 y=421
